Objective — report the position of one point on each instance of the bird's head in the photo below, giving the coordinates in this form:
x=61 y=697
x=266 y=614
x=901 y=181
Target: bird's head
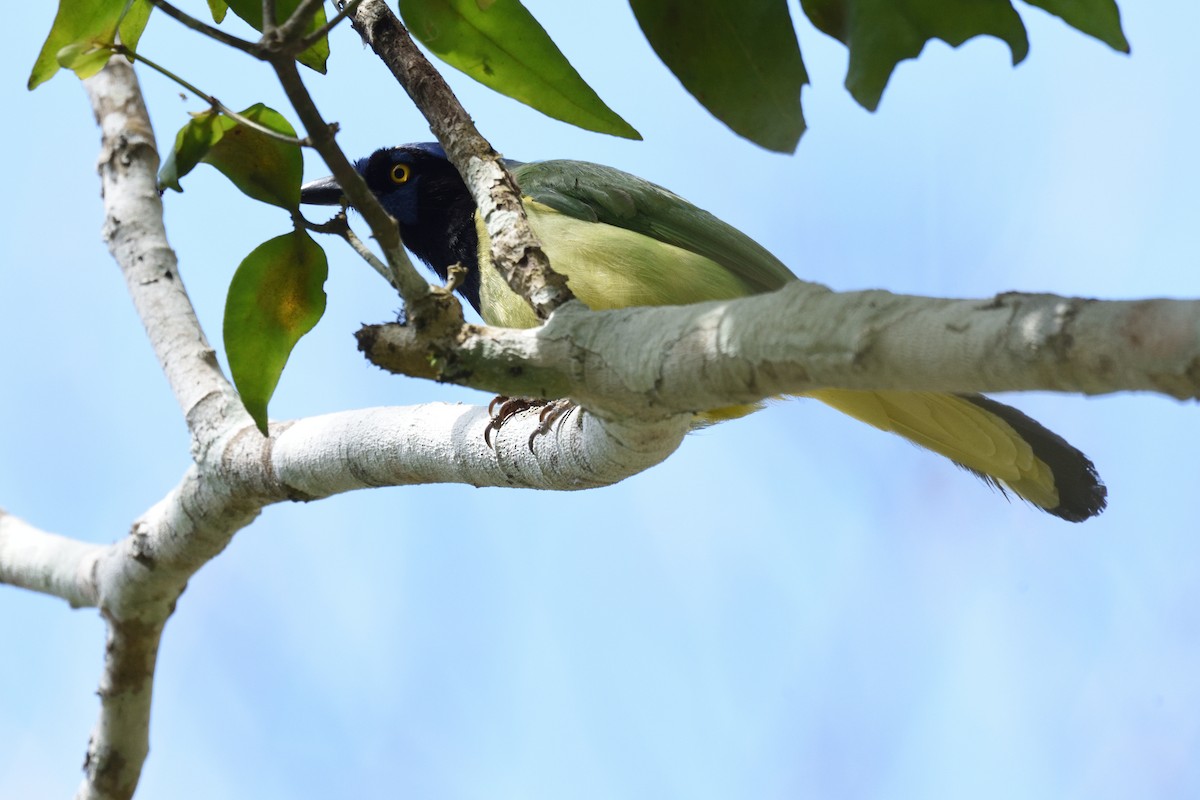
x=414 y=182
x=423 y=191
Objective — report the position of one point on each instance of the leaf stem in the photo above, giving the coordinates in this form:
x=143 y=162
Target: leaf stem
x=241 y=119
x=338 y=225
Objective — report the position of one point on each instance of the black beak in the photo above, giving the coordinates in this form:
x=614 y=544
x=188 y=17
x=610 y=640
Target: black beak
x=322 y=192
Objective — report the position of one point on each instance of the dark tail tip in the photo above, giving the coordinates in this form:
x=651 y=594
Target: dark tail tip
x=1081 y=493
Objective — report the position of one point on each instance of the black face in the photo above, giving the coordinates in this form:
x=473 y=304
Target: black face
x=415 y=183
x=426 y=195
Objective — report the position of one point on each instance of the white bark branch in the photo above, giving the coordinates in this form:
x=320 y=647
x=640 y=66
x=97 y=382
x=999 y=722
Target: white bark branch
x=45 y=562
x=441 y=443
x=133 y=229
x=649 y=362
x=136 y=581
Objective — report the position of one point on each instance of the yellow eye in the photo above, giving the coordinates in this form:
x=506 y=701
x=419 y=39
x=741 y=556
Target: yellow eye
x=400 y=173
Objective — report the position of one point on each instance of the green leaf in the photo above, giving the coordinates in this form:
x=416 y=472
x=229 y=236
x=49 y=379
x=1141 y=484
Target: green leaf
x=218 y=8
x=263 y=167
x=277 y=295
x=740 y=60
x=191 y=144
x=81 y=29
x=881 y=33
x=1097 y=18
x=501 y=45
x=134 y=23
x=251 y=11
x=85 y=59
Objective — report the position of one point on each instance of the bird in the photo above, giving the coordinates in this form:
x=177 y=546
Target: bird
x=623 y=241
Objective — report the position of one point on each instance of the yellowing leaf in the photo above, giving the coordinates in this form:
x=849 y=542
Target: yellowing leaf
x=277 y=295
x=81 y=31
x=85 y=59
x=263 y=167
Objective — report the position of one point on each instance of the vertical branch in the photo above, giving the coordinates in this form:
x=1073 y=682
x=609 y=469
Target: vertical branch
x=119 y=744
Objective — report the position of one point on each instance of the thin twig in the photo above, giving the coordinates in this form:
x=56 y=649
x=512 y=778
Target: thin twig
x=269 y=22
x=346 y=10
x=291 y=30
x=241 y=119
x=339 y=225
x=208 y=30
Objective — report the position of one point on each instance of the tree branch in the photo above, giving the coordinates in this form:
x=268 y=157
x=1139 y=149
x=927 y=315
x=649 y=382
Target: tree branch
x=134 y=232
x=292 y=29
x=203 y=27
x=516 y=251
x=48 y=563
x=443 y=443
x=136 y=581
x=345 y=11
x=413 y=288
x=645 y=362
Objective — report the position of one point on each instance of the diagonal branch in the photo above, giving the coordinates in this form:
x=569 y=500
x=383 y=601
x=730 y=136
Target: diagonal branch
x=413 y=288
x=203 y=27
x=345 y=11
x=292 y=29
x=515 y=250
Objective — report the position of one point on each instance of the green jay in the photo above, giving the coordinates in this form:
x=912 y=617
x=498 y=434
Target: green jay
x=623 y=241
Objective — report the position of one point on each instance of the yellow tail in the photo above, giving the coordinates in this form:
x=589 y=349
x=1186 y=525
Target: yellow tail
x=996 y=442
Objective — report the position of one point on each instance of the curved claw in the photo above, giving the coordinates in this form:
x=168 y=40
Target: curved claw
x=555 y=411
x=501 y=409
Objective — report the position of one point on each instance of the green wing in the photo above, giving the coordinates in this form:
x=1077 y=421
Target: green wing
x=596 y=193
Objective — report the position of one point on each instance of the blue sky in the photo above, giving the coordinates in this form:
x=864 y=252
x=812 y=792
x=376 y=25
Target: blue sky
x=794 y=605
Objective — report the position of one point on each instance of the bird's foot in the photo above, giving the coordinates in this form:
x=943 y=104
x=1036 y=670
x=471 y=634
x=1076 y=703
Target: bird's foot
x=501 y=409
x=555 y=411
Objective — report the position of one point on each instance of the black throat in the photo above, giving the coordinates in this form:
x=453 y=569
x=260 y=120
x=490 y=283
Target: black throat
x=445 y=232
